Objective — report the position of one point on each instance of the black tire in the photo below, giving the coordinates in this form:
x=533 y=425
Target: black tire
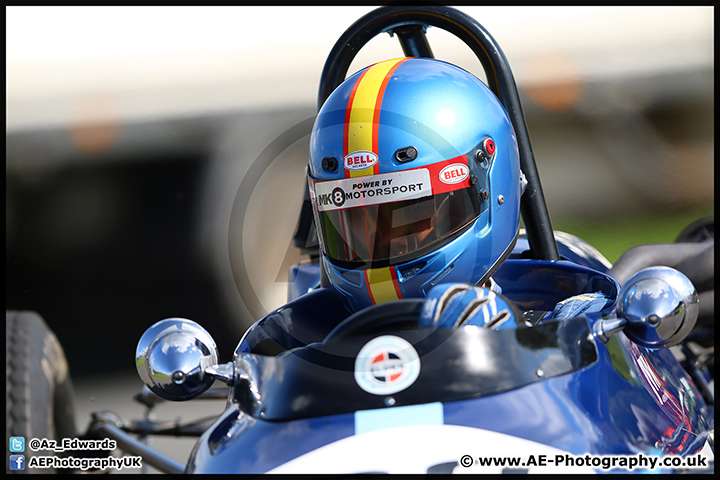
x=39 y=391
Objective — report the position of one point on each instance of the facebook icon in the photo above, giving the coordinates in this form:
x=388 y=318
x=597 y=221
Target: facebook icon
x=17 y=462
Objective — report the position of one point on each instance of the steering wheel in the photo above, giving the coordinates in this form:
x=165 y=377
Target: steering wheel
x=384 y=317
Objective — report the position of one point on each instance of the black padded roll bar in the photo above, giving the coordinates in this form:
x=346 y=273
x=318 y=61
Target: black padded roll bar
x=694 y=260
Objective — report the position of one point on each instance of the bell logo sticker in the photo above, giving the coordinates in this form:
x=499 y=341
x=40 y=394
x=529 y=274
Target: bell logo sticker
x=360 y=160
x=386 y=365
x=455 y=173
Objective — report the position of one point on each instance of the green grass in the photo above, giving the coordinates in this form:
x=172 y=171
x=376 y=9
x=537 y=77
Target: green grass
x=613 y=236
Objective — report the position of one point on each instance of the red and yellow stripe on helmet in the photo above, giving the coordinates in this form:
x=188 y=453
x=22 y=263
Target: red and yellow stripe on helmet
x=361 y=135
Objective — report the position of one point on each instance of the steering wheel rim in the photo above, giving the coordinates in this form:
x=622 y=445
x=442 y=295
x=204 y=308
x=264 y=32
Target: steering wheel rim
x=383 y=317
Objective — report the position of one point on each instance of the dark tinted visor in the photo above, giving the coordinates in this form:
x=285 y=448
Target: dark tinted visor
x=395 y=232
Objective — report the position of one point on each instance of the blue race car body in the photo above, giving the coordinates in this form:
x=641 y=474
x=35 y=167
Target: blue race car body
x=548 y=389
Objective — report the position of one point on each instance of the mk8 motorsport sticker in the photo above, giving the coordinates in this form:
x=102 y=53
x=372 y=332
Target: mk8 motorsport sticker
x=371 y=190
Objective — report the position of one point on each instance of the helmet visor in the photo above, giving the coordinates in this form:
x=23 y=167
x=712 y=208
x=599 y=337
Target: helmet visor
x=396 y=232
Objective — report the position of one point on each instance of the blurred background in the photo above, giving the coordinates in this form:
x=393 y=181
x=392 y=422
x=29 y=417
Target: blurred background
x=155 y=155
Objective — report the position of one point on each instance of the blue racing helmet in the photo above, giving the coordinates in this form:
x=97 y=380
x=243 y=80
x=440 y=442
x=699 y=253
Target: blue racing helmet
x=414 y=179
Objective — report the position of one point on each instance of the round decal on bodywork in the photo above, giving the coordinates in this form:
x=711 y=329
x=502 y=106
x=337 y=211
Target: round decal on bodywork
x=386 y=365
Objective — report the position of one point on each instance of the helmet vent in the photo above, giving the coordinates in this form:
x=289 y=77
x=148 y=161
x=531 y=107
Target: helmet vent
x=442 y=274
x=406 y=154
x=353 y=278
x=329 y=164
x=412 y=270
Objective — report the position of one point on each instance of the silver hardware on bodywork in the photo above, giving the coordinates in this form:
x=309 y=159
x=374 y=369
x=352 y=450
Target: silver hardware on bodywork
x=657 y=307
x=178 y=360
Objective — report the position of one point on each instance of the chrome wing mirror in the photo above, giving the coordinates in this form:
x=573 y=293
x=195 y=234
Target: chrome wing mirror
x=178 y=360
x=657 y=307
